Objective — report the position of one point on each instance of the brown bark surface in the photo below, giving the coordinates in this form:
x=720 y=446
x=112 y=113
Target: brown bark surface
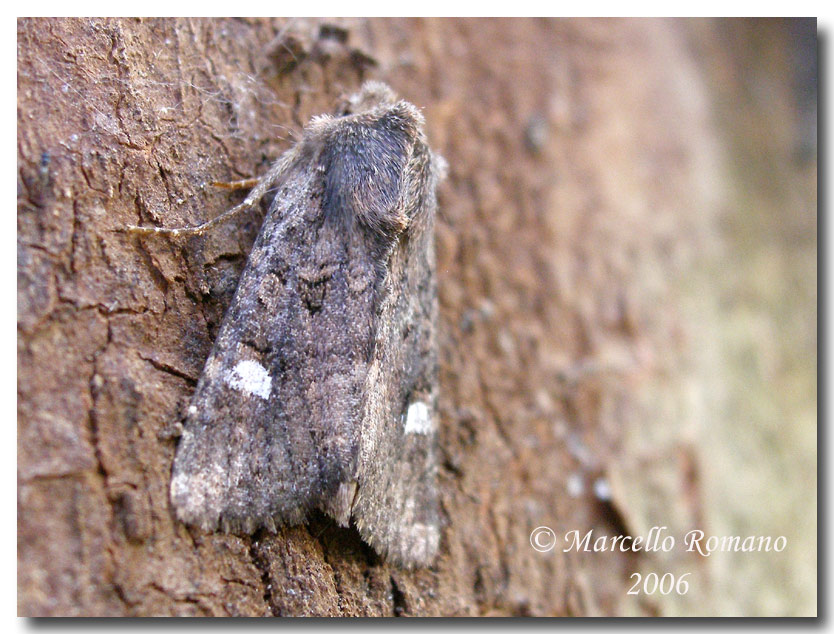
x=583 y=193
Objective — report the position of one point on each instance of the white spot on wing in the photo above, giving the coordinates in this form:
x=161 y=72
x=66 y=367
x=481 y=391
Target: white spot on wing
x=417 y=420
x=251 y=377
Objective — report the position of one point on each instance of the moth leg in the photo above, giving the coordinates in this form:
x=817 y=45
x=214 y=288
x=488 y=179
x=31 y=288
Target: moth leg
x=246 y=183
x=261 y=186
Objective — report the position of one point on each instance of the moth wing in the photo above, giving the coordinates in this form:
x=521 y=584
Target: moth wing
x=381 y=173
x=395 y=509
x=396 y=505
x=273 y=426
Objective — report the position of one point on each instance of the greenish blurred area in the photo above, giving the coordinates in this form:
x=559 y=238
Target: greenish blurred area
x=759 y=458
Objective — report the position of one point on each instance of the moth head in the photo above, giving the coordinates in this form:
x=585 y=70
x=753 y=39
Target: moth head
x=373 y=94
x=370 y=162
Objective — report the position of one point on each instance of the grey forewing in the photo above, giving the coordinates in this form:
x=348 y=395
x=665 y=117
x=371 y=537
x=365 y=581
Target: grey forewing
x=327 y=346
x=305 y=311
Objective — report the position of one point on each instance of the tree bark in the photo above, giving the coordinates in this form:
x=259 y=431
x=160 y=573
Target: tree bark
x=584 y=190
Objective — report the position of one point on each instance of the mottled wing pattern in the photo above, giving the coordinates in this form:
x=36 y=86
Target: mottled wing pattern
x=396 y=505
x=319 y=392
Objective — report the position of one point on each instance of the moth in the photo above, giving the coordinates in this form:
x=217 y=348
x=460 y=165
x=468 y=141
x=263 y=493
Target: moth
x=321 y=389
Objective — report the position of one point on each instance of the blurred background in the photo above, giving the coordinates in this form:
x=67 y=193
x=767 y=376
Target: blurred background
x=760 y=471
x=627 y=275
